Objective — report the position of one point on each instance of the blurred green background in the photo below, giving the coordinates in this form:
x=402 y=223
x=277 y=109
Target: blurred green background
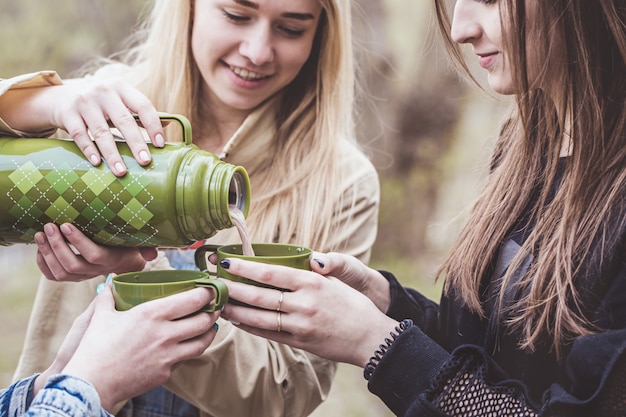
x=428 y=133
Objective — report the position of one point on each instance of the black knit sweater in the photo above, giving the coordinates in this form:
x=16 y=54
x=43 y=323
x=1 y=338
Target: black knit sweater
x=452 y=362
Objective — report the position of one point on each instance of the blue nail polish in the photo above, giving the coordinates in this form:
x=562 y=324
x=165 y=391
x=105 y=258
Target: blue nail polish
x=106 y=282
x=216 y=327
x=320 y=263
x=225 y=263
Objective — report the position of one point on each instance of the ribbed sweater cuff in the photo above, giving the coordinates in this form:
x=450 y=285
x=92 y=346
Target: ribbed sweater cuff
x=407 y=369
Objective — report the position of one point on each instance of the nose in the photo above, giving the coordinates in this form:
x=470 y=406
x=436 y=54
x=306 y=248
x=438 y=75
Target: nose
x=257 y=45
x=465 y=25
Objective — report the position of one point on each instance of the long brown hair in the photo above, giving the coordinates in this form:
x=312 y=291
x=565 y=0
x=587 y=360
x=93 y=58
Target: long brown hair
x=579 y=229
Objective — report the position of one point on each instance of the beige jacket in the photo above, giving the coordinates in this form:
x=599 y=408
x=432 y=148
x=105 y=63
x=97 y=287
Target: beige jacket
x=239 y=374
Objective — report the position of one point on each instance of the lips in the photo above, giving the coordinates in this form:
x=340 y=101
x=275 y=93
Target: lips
x=247 y=74
x=487 y=60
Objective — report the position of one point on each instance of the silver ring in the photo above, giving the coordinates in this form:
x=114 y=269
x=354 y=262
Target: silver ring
x=280 y=301
x=279 y=323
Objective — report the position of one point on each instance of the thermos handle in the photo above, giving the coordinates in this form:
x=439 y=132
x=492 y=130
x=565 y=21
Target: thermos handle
x=185 y=124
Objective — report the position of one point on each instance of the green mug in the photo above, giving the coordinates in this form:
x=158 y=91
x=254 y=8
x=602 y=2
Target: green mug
x=294 y=256
x=133 y=288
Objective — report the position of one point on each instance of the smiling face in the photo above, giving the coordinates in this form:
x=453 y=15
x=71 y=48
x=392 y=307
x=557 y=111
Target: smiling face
x=247 y=51
x=477 y=22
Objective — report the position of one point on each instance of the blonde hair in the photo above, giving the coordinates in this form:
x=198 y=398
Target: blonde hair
x=315 y=117
x=576 y=240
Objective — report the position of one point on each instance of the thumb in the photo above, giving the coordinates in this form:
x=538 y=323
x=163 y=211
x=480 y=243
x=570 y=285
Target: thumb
x=104 y=299
x=320 y=263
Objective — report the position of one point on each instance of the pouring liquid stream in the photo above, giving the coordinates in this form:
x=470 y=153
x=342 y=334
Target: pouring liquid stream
x=242 y=228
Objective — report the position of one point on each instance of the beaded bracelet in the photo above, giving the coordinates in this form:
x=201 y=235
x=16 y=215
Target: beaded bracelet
x=382 y=349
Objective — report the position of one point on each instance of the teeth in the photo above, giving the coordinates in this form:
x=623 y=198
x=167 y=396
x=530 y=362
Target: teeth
x=245 y=74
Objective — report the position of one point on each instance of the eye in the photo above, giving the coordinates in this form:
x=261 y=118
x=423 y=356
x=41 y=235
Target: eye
x=235 y=18
x=290 y=32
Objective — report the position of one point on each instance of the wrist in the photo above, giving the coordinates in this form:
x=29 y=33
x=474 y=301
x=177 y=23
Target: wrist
x=378 y=291
x=43 y=377
x=384 y=347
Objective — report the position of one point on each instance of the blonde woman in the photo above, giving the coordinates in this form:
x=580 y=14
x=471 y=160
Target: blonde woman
x=532 y=321
x=267 y=85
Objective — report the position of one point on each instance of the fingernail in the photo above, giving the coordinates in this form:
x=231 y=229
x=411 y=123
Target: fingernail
x=109 y=278
x=40 y=239
x=144 y=156
x=320 y=263
x=225 y=263
x=119 y=167
x=94 y=159
x=216 y=327
x=65 y=229
x=48 y=230
x=100 y=287
x=159 y=141
x=234 y=322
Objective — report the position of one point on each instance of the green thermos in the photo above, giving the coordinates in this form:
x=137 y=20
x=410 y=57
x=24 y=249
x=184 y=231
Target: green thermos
x=184 y=195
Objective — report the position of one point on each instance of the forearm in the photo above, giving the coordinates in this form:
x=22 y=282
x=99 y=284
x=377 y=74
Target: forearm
x=377 y=289
x=25 y=103
x=28 y=109
x=242 y=374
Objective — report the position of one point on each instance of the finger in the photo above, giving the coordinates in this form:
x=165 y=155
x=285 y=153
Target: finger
x=41 y=242
x=182 y=304
x=75 y=126
x=273 y=275
x=260 y=322
x=265 y=298
x=101 y=133
x=280 y=337
x=59 y=258
x=192 y=348
x=121 y=118
x=104 y=299
x=254 y=317
x=193 y=326
x=149 y=253
x=92 y=252
x=319 y=263
x=331 y=263
x=148 y=115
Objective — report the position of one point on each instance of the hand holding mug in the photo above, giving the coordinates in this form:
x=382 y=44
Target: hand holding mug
x=134 y=288
x=319 y=314
x=125 y=353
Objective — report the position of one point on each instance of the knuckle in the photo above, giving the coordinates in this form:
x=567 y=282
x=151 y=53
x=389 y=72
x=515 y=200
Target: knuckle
x=100 y=132
x=126 y=120
x=96 y=257
x=198 y=347
x=143 y=105
x=78 y=134
x=264 y=273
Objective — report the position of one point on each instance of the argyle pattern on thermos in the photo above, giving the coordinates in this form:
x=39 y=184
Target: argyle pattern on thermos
x=95 y=200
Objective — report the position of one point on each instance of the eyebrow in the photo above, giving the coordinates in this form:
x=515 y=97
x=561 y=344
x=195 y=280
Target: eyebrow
x=289 y=15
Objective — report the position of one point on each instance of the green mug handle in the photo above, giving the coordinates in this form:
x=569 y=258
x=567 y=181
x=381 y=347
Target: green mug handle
x=200 y=257
x=221 y=292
